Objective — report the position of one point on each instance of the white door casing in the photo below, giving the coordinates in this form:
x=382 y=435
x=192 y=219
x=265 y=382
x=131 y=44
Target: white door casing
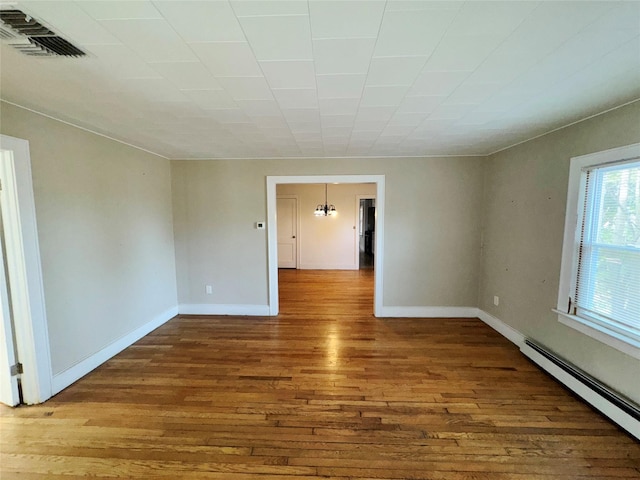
x=287 y=212
x=24 y=268
x=9 y=393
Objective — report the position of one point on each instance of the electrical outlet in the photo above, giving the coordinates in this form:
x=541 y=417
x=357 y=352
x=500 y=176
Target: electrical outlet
x=260 y=225
x=496 y=300
x=209 y=289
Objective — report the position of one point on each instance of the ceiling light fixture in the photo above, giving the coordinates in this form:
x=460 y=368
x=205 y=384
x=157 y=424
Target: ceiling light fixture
x=326 y=209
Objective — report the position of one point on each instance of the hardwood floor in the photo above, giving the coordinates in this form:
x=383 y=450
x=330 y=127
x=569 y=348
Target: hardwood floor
x=325 y=390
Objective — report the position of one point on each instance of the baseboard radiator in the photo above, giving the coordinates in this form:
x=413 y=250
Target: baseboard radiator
x=620 y=409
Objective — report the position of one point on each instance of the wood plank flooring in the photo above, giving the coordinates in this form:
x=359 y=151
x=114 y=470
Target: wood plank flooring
x=324 y=390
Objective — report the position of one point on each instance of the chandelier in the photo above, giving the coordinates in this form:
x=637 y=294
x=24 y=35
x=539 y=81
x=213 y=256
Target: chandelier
x=326 y=209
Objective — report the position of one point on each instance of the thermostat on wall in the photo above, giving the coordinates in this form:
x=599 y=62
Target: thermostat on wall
x=260 y=225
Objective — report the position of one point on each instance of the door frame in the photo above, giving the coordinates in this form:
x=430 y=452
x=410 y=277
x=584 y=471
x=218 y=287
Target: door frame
x=9 y=388
x=297 y=222
x=357 y=240
x=272 y=233
x=25 y=270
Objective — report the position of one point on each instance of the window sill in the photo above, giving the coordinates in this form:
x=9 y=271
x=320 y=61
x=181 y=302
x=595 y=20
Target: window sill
x=608 y=337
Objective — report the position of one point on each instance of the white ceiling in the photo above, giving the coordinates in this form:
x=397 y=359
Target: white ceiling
x=270 y=78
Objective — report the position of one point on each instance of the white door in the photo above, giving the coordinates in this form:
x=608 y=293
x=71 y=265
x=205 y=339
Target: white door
x=9 y=394
x=287 y=213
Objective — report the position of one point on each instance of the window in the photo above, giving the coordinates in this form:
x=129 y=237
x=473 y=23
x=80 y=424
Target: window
x=600 y=280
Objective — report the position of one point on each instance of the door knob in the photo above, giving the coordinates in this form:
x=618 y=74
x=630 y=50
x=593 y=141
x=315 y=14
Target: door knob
x=293 y=236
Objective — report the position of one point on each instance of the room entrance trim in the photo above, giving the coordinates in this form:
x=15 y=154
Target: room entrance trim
x=272 y=233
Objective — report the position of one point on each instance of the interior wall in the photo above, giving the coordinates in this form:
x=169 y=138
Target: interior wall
x=327 y=242
x=431 y=239
x=523 y=218
x=105 y=231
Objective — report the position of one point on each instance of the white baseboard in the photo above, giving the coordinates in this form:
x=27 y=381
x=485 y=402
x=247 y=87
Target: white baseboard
x=428 y=312
x=63 y=379
x=219 y=309
x=609 y=409
x=505 y=330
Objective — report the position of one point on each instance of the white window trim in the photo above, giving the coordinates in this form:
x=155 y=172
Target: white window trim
x=568 y=270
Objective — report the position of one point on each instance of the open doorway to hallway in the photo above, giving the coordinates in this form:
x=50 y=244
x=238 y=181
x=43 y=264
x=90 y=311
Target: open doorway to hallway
x=366 y=232
x=317 y=248
x=325 y=249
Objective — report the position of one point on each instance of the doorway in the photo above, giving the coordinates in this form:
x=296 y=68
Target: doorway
x=272 y=230
x=366 y=232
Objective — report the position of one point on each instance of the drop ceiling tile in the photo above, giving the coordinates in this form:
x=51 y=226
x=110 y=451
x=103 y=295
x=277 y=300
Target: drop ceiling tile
x=228 y=59
x=248 y=8
x=421 y=103
x=397 y=131
x=345 y=19
x=121 y=62
x=296 y=98
x=472 y=92
x=290 y=74
x=364 y=137
x=305 y=115
x=623 y=16
x=155 y=89
x=562 y=61
x=357 y=150
x=131 y=9
x=343 y=56
x=477 y=118
x=369 y=127
x=337 y=120
x=374 y=114
x=187 y=75
x=451 y=112
x=490 y=18
x=314 y=136
x=413 y=32
x=432 y=83
x=259 y=108
x=227 y=116
x=395 y=70
x=406 y=119
x=336 y=132
x=246 y=88
x=298 y=128
x=416 y=6
x=153 y=40
x=462 y=52
x=339 y=106
x=279 y=37
x=276 y=127
x=552 y=23
x=383 y=96
x=70 y=21
x=202 y=21
x=340 y=86
x=211 y=99
x=432 y=127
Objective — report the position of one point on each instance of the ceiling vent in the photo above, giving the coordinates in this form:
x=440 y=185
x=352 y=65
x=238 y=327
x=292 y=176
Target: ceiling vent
x=30 y=37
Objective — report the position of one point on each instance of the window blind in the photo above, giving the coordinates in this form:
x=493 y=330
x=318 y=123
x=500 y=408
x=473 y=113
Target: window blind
x=608 y=278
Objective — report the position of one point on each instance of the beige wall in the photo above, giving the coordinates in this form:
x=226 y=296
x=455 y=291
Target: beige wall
x=105 y=231
x=524 y=211
x=432 y=224
x=328 y=242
